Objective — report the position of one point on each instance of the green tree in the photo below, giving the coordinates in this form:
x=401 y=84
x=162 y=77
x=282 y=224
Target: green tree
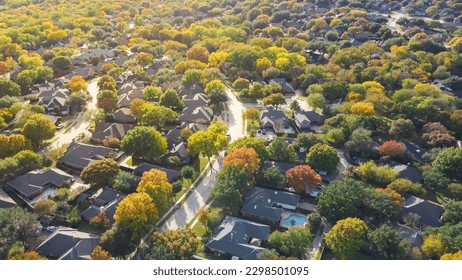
x=9 y=88
x=107 y=100
x=402 y=129
x=187 y=172
x=171 y=99
x=388 y=244
x=316 y=100
x=308 y=140
x=275 y=99
x=258 y=144
x=323 y=157
x=100 y=173
x=346 y=237
x=452 y=212
x=231 y=184
x=45 y=207
x=449 y=162
x=281 y=151
x=144 y=141
x=152 y=93
x=381 y=174
x=126 y=182
x=62 y=63
x=293 y=243
x=38 y=128
x=154 y=115
x=271 y=178
x=209 y=142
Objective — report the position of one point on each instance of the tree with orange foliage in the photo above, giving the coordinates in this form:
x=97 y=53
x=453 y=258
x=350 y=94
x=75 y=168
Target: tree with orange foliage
x=302 y=178
x=397 y=198
x=392 y=148
x=243 y=158
x=77 y=83
x=3 y=68
x=198 y=52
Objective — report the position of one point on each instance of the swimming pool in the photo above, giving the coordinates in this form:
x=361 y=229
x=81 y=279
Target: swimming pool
x=295 y=220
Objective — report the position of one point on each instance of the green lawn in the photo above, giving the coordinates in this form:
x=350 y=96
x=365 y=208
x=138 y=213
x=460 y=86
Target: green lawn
x=199 y=229
x=178 y=195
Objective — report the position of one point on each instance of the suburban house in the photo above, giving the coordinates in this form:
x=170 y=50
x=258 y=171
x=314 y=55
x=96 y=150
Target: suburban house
x=105 y=131
x=39 y=184
x=80 y=155
x=286 y=87
x=68 y=244
x=238 y=238
x=54 y=100
x=179 y=151
x=191 y=89
x=267 y=205
x=172 y=175
x=283 y=167
x=407 y=172
x=105 y=200
x=413 y=236
x=195 y=100
x=196 y=115
x=5 y=200
x=305 y=119
x=124 y=115
x=275 y=120
x=429 y=213
x=415 y=152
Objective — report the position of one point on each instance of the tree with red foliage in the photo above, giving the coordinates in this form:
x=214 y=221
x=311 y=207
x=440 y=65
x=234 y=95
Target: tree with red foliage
x=302 y=178
x=392 y=148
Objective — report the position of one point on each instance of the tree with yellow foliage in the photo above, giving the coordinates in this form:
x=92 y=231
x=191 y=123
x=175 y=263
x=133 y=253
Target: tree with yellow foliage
x=99 y=254
x=137 y=213
x=363 y=108
x=77 y=83
x=449 y=256
x=155 y=183
x=433 y=247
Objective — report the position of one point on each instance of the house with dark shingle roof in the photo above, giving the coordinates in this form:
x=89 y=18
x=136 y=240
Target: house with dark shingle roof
x=286 y=87
x=196 y=115
x=38 y=182
x=268 y=205
x=191 y=89
x=274 y=119
x=124 y=115
x=195 y=100
x=172 y=175
x=105 y=131
x=5 y=200
x=415 y=151
x=106 y=200
x=407 y=172
x=178 y=150
x=412 y=236
x=429 y=212
x=80 y=155
x=305 y=119
x=68 y=244
x=239 y=238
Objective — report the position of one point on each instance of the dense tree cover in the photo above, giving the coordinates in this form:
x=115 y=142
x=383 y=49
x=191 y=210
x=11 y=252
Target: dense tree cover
x=271 y=178
x=387 y=243
x=380 y=174
x=155 y=183
x=16 y=225
x=259 y=145
x=180 y=244
x=100 y=173
x=346 y=237
x=280 y=150
x=449 y=162
x=38 y=128
x=144 y=141
x=136 y=213
x=324 y=157
x=209 y=142
x=295 y=242
x=231 y=184
x=351 y=198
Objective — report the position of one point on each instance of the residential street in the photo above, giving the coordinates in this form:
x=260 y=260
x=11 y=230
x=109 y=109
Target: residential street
x=181 y=217
x=234 y=115
x=81 y=122
x=343 y=165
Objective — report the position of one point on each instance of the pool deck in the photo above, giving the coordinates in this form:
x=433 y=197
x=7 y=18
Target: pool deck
x=286 y=214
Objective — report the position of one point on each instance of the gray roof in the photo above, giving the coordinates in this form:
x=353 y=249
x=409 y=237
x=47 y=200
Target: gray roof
x=172 y=175
x=195 y=100
x=263 y=202
x=32 y=183
x=429 y=212
x=416 y=152
x=5 y=200
x=79 y=155
x=68 y=244
x=286 y=87
x=191 y=89
x=124 y=115
x=283 y=167
x=407 y=172
x=195 y=114
x=270 y=116
x=178 y=150
x=413 y=236
x=107 y=202
x=309 y=117
x=106 y=130
x=240 y=238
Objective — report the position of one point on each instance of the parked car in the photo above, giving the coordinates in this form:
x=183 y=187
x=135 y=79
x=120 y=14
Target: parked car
x=60 y=126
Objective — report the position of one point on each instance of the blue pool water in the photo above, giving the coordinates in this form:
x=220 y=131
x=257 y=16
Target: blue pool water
x=299 y=220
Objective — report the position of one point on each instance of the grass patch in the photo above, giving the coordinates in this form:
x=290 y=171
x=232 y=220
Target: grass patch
x=199 y=229
x=177 y=196
x=440 y=198
x=252 y=124
x=129 y=161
